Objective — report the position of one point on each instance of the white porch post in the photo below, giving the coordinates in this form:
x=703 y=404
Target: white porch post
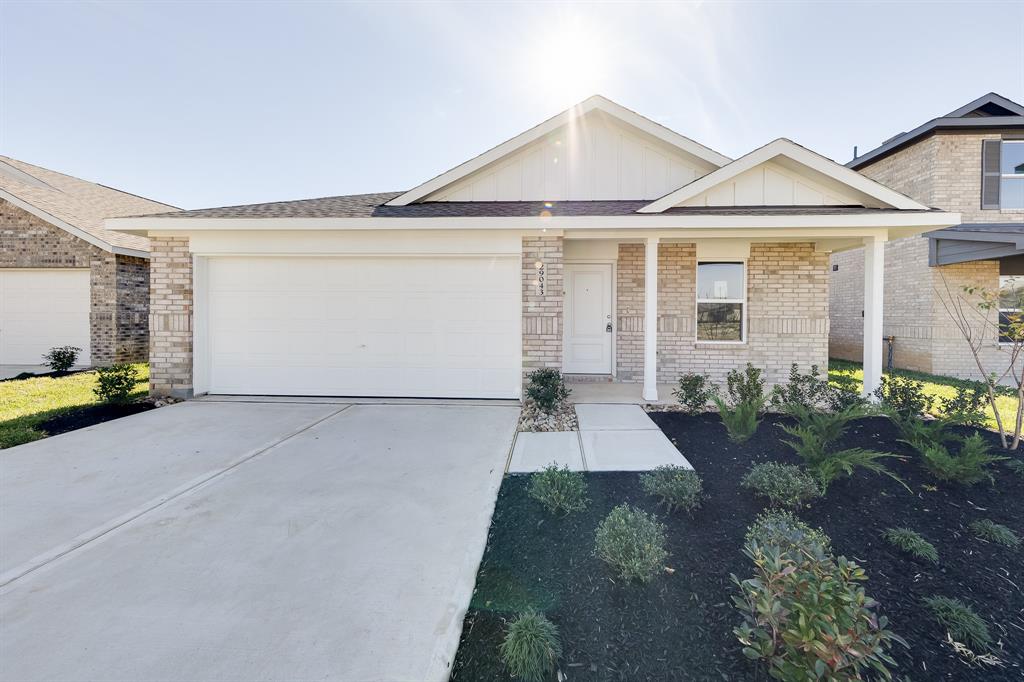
x=874 y=273
x=651 y=319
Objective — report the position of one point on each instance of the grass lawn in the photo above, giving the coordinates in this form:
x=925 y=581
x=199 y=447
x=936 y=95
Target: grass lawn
x=27 y=403
x=850 y=376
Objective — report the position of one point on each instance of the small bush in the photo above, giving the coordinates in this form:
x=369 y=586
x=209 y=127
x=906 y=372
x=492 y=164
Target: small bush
x=807 y=390
x=783 y=484
x=632 y=542
x=740 y=420
x=1016 y=466
x=968 y=467
x=960 y=621
x=987 y=529
x=531 y=647
x=677 y=488
x=560 y=491
x=780 y=528
x=921 y=433
x=903 y=395
x=910 y=541
x=62 y=358
x=745 y=387
x=695 y=392
x=967 y=406
x=547 y=389
x=115 y=383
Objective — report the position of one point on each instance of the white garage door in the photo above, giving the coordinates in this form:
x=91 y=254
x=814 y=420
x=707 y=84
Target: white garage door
x=364 y=326
x=40 y=309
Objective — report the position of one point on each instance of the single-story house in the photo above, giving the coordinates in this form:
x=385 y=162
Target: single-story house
x=597 y=242
x=65 y=280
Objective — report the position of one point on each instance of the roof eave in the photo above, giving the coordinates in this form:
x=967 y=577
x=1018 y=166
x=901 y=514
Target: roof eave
x=944 y=123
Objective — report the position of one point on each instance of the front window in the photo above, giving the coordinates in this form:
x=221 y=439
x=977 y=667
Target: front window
x=1011 y=174
x=1011 y=308
x=721 y=300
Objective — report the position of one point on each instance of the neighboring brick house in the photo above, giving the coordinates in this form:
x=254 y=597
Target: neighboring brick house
x=970 y=161
x=598 y=243
x=64 y=279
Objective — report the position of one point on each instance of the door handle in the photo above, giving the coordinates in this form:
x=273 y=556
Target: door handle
x=608 y=328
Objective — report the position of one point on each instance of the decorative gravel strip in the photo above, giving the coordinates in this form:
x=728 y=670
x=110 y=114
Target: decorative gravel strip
x=532 y=418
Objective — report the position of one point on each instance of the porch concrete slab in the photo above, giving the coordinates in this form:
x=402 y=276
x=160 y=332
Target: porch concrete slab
x=615 y=392
x=634 y=450
x=534 y=451
x=613 y=417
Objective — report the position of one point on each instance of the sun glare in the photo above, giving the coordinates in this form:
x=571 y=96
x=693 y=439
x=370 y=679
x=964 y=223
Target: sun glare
x=569 y=62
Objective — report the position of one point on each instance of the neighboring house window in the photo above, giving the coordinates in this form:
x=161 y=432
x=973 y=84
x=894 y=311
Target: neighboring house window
x=1011 y=305
x=721 y=302
x=1002 y=174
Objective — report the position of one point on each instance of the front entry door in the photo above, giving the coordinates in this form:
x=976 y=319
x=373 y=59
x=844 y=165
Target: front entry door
x=588 y=319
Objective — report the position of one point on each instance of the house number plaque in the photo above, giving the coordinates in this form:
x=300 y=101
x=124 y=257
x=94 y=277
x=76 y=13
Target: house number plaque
x=541 y=281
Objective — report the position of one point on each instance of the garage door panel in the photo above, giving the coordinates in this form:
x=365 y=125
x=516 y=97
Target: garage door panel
x=40 y=309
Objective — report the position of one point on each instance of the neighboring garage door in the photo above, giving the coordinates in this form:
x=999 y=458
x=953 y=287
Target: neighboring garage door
x=365 y=326
x=40 y=309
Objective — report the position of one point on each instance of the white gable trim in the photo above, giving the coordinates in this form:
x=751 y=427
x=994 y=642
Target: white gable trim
x=522 y=140
x=801 y=155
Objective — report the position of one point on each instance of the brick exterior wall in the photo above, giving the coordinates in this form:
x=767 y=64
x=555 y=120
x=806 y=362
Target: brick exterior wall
x=118 y=300
x=542 y=315
x=170 y=317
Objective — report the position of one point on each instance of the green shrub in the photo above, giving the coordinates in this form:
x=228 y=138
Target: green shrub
x=531 y=647
x=910 y=541
x=1016 y=466
x=547 y=388
x=806 y=617
x=968 y=467
x=987 y=529
x=740 y=420
x=903 y=395
x=780 y=528
x=560 y=491
x=967 y=405
x=632 y=542
x=783 y=484
x=115 y=383
x=677 y=488
x=960 y=621
x=61 y=358
x=745 y=387
x=694 y=392
x=921 y=433
x=807 y=390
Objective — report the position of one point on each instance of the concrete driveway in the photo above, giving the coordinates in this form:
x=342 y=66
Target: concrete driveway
x=242 y=541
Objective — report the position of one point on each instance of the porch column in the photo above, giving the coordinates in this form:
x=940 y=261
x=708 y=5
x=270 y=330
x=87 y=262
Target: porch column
x=651 y=319
x=874 y=273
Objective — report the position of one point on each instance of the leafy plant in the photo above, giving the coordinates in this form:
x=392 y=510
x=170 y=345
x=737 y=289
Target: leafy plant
x=921 y=433
x=115 y=383
x=783 y=484
x=745 y=387
x=61 y=358
x=960 y=620
x=677 y=487
x=910 y=541
x=632 y=542
x=780 y=528
x=987 y=529
x=1016 y=466
x=740 y=420
x=560 y=491
x=966 y=406
x=807 y=390
x=531 y=647
x=903 y=395
x=694 y=393
x=968 y=467
x=547 y=388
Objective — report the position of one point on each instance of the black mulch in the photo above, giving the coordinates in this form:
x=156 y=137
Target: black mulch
x=88 y=416
x=680 y=626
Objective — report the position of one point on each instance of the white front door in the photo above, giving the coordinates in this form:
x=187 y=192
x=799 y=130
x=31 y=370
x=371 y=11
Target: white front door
x=588 y=318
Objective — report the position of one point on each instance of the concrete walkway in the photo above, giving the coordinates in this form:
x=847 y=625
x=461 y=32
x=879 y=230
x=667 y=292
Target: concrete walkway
x=235 y=541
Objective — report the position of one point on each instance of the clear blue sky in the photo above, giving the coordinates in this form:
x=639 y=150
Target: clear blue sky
x=207 y=104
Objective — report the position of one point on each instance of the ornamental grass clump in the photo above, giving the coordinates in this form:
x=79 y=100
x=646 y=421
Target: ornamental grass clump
x=675 y=486
x=987 y=529
x=780 y=528
x=911 y=542
x=560 y=491
x=785 y=485
x=531 y=647
x=632 y=542
x=960 y=621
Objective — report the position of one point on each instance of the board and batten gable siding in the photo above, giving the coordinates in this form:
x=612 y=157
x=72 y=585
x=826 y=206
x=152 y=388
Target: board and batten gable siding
x=770 y=184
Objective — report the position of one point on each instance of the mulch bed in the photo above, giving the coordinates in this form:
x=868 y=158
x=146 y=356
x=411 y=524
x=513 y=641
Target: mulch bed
x=89 y=416
x=680 y=626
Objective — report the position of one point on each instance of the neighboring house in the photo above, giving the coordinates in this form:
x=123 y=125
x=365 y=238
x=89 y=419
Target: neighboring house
x=596 y=243
x=971 y=162
x=64 y=279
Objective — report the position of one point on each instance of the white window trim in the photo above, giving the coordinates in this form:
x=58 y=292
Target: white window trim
x=1010 y=176
x=698 y=300
x=1001 y=310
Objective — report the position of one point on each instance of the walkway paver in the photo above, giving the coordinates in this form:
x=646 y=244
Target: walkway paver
x=634 y=450
x=534 y=451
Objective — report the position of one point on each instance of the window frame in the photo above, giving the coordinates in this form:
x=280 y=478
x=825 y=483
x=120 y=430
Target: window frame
x=742 y=262
x=1000 y=310
x=1019 y=177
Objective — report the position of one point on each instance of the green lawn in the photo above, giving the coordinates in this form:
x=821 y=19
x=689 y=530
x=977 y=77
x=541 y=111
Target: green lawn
x=850 y=375
x=26 y=403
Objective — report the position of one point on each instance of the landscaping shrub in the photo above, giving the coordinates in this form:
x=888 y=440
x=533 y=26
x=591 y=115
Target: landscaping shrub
x=919 y=433
x=115 y=383
x=780 y=528
x=694 y=393
x=745 y=387
x=1016 y=466
x=783 y=484
x=807 y=390
x=61 y=358
x=966 y=406
x=806 y=617
x=632 y=542
x=960 y=621
x=677 y=488
x=986 y=529
x=968 y=467
x=910 y=541
x=531 y=647
x=740 y=420
x=547 y=388
x=903 y=395
x=560 y=491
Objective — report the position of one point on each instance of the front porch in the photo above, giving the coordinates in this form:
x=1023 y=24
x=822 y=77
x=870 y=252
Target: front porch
x=616 y=392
